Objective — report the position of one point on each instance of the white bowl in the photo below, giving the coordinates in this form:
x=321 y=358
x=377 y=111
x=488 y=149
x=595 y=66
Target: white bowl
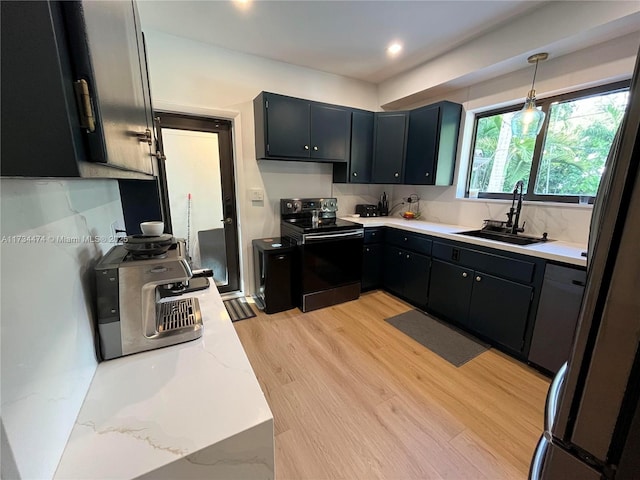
x=152 y=228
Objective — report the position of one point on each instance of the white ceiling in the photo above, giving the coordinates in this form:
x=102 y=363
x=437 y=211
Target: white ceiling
x=343 y=37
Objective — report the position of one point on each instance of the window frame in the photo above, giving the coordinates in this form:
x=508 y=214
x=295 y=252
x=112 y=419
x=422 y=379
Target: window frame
x=545 y=104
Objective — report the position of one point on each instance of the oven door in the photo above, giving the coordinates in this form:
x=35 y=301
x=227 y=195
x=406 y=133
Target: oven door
x=331 y=260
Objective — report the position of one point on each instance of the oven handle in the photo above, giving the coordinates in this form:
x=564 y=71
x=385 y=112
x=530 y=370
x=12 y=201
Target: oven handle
x=333 y=236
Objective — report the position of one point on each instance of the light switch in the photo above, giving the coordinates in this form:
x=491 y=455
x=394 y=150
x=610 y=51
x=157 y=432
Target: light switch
x=256 y=194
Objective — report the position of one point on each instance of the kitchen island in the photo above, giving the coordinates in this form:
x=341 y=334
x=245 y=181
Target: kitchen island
x=559 y=251
x=192 y=410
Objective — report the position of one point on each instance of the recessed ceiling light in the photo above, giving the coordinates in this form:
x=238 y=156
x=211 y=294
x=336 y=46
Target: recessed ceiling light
x=394 y=49
x=242 y=4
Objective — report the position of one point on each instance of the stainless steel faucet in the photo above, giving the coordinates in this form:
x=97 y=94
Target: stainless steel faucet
x=515 y=210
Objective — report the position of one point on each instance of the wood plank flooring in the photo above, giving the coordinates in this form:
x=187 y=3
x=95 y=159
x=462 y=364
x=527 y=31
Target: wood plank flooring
x=355 y=398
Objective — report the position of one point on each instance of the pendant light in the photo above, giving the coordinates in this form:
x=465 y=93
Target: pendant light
x=528 y=121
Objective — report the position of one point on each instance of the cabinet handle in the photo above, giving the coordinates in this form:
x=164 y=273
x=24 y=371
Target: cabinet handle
x=85 y=110
x=396 y=174
x=426 y=174
x=400 y=253
x=464 y=275
x=408 y=256
x=315 y=149
x=306 y=147
x=478 y=278
x=159 y=156
x=406 y=239
x=355 y=174
x=366 y=249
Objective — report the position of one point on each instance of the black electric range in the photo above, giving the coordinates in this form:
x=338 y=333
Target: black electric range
x=329 y=267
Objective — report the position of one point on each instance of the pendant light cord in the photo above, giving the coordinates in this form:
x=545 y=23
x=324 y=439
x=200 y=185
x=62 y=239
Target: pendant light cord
x=535 y=71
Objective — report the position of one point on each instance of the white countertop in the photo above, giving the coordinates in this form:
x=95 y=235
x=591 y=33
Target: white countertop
x=149 y=410
x=559 y=251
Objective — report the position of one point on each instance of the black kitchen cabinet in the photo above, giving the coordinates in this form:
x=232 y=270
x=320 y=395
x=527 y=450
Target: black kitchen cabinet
x=75 y=96
x=493 y=295
x=407 y=265
x=390 y=140
x=358 y=169
x=289 y=128
x=372 y=258
x=557 y=316
x=406 y=274
x=499 y=310
x=450 y=291
x=432 y=143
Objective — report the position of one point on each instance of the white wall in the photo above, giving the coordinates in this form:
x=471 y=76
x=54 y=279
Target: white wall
x=48 y=357
x=193 y=77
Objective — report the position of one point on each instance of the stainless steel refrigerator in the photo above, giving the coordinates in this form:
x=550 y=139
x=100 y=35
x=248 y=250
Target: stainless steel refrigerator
x=592 y=419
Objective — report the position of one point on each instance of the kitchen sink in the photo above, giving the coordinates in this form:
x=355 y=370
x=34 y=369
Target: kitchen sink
x=504 y=237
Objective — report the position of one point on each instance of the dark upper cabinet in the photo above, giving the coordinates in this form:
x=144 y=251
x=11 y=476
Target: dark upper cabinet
x=75 y=96
x=390 y=139
x=289 y=128
x=432 y=143
x=358 y=169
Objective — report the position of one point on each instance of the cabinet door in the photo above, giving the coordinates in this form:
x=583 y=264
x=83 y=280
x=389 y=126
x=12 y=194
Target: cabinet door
x=416 y=271
x=393 y=270
x=108 y=55
x=330 y=133
x=450 y=291
x=361 y=147
x=389 y=146
x=499 y=310
x=371 y=266
x=287 y=127
x=421 y=146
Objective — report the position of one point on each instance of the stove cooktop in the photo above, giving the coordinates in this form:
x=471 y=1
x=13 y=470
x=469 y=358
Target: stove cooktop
x=304 y=225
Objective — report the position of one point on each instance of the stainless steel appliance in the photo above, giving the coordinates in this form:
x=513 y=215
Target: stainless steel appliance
x=592 y=421
x=133 y=313
x=328 y=268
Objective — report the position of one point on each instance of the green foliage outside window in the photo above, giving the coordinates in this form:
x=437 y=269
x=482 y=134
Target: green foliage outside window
x=575 y=142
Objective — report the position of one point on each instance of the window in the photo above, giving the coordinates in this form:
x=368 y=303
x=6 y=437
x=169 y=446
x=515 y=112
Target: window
x=565 y=161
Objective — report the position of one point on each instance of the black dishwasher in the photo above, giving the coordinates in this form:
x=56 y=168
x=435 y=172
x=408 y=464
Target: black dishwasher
x=273 y=260
x=557 y=316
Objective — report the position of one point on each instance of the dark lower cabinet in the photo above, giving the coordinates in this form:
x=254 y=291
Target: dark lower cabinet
x=499 y=310
x=450 y=291
x=371 y=266
x=491 y=294
x=406 y=274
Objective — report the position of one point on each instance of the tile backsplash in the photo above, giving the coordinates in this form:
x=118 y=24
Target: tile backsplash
x=569 y=223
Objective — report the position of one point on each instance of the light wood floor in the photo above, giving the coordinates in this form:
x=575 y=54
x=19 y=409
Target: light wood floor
x=354 y=398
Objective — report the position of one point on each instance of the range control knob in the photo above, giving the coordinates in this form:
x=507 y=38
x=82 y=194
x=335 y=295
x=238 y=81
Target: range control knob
x=289 y=205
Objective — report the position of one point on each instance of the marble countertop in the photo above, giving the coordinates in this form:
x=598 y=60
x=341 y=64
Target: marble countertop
x=149 y=410
x=559 y=251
